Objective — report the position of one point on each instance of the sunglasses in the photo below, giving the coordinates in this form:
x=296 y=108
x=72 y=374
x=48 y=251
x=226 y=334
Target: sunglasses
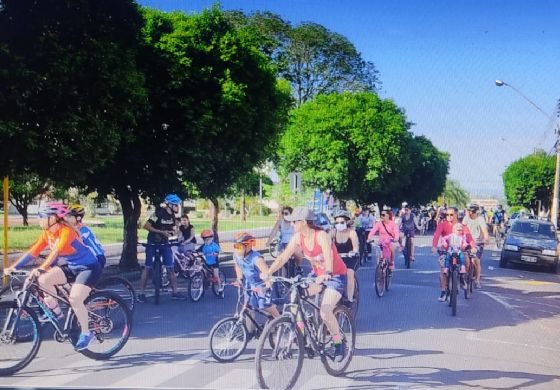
x=384 y=214
x=286 y=213
x=340 y=222
x=449 y=215
x=239 y=246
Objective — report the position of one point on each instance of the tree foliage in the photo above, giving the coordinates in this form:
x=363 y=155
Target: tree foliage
x=24 y=189
x=530 y=180
x=455 y=195
x=358 y=146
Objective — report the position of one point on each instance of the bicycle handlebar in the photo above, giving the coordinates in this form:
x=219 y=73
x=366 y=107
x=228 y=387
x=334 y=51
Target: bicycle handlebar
x=147 y=244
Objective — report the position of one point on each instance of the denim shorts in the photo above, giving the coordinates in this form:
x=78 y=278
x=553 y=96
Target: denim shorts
x=88 y=275
x=166 y=253
x=336 y=282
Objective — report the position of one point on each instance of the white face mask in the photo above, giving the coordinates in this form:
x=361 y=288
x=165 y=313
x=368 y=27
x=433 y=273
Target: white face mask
x=340 y=226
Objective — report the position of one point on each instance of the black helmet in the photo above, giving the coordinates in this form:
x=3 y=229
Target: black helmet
x=473 y=207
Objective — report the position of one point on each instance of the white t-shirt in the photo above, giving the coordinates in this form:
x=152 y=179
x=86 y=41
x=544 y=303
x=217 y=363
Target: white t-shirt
x=475 y=226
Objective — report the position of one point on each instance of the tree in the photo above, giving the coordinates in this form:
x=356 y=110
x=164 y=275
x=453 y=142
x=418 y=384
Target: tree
x=530 y=180
x=358 y=146
x=312 y=58
x=68 y=84
x=214 y=108
x=23 y=189
x=454 y=194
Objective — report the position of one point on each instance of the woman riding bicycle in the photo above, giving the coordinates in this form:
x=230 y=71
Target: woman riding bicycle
x=346 y=242
x=82 y=267
x=388 y=232
x=327 y=266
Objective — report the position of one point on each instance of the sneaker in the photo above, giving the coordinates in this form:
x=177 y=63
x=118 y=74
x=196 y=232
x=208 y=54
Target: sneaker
x=442 y=296
x=477 y=285
x=83 y=341
x=141 y=298
x=339 y=351
x=43 y=318
x=177 y=296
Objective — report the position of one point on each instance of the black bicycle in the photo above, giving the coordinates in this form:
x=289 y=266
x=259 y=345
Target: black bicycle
x=279 y=362
x=229 y=336
x=110 y=321
x=383 y=273
x=160 y=277
x=453 y=278
x=407 y=250
x=202 y=277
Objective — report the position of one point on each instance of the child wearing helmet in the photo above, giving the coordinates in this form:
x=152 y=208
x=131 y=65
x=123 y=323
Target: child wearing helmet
x=81 y=268
x=211 y=250
x=74 y=218
x=249 y=264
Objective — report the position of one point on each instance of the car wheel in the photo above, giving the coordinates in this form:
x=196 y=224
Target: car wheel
x=503 y=261
x=556 y=267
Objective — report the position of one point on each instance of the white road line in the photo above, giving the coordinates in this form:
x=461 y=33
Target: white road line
x=505 y=304
x=472 y=336
x=237 y=378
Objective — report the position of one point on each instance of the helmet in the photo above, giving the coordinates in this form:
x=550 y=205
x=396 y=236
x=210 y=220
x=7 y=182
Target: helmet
x=499 y=207
x=57 y=209
x=386 y=208
x=245 y=239
x=172 y=199
x=357 y=212
x=341 y=214
x=76 y=210
x=404 y=204
x=206 y=233
x=473 y=207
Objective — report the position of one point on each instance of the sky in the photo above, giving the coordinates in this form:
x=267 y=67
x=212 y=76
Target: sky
x=438 y=60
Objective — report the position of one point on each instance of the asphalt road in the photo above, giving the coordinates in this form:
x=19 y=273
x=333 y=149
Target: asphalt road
x=506 y=337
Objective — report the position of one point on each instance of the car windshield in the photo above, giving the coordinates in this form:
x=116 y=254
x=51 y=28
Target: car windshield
x=534 y=229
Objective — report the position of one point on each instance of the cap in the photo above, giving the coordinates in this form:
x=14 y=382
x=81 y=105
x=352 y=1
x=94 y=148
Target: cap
x=301 y=213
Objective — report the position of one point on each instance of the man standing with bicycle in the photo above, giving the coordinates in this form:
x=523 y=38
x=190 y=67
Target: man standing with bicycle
x=477 y=226
x=161 y=226
x=408 y=228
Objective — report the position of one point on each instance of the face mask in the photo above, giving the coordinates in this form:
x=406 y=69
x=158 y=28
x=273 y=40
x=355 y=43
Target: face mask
x=340 y=227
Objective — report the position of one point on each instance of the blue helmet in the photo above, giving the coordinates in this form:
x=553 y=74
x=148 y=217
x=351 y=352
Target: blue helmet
x=172 y=199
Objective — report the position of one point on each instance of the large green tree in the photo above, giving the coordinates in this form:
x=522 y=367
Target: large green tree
x=530 y=180
x=455 y=195
x=68 y=84
x=358 y=146
x=24 y=189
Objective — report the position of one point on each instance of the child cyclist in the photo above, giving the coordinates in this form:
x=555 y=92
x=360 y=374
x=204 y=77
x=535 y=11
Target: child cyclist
x=211 y=250
x=74 y=218
x=82 y=267
x=457 y=242
x=249 y=264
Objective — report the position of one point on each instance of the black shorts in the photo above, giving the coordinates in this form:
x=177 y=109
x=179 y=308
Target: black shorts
x=87 y=275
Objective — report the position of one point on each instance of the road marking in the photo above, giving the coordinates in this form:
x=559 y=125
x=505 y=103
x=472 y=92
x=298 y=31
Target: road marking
x=505 y=304
x=238 y=378
x=474 y=337
x=538 y=283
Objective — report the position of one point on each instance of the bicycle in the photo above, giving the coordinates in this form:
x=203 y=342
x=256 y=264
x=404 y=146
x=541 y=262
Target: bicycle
x=228 y=338
x=453 y=277
x=202 y=277
x=279 y=363
x=353 y=306
x=407 y=250
x=500 y=236
x=469 y=279
x=160 y=278
x=274 y=247
x=20 y=335
x=383 y=273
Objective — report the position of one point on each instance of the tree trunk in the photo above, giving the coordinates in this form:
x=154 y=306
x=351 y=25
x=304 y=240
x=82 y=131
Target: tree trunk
x=243 y=206
x=131 y=208
x=21 y=207
x=214 y=211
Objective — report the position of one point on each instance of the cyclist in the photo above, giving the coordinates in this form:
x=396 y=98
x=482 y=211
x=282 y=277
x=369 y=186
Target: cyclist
x=388 y=232
x=498 y=219
x=161 y=226
x=408 y=228
x=367 y=221
x=327 y=265
x=284 y=227
x=346 y=241
x=479 y=230
x=187 y=238
x=81 y=268
x=457 y=241
x=444 y=229
x=249 y=264
x=74 y=218
x=211 y=250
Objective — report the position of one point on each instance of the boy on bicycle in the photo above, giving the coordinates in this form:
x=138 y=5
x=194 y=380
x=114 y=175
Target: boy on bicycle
x=211 y=250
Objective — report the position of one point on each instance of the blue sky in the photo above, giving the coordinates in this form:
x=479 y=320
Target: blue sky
x=438 y=60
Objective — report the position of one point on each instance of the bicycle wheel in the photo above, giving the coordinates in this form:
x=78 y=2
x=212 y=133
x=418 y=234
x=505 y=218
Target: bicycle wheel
x=120 y=286
x=388 y=277
x=407 y=252
x=279 y=366
x=356 y=301
x=274 y=248
x=165 y=279
x=218 y=289
x=228 y=339
x=19 y=337
x=499 y=240
x=380 y=279
x=156 y=280
x=196 y=286
x=470 y=281
x=347 y=328
x=110 y=320
x=453 y=291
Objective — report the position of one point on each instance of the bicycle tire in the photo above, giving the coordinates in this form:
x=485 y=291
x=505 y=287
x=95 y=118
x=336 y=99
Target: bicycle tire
x=388 y=277
x=106 y=303
x=218 y=289
x=196 y=286
x=347 y=325
x=273 y=248
x=120 y=286
x=278 y=327
x=165 y=279
x=156 y=280
x=35 y=341
x=379 y=280
x=453 y=292
x=470 y=281
x=235 y=325
x=407 y=252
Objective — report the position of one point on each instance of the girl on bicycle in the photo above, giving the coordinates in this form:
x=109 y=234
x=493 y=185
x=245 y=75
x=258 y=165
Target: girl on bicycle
x=388 y=232
x=327 y=265
x=346 y=241
x=82 y=267
x=249 y=264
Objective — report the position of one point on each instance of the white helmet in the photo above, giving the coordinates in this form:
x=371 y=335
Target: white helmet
x=404 y=204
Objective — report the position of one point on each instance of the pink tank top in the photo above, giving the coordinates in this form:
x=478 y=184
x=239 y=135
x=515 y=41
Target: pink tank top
x=315 y=256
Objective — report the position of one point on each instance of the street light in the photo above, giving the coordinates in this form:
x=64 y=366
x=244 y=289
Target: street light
x=554 y=213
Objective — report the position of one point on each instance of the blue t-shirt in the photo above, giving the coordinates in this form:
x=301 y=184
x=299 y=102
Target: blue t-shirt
x=210 y=252
x=248 y=266
x=91 y=241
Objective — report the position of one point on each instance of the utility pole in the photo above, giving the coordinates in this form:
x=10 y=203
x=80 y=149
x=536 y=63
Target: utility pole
x=554 y=211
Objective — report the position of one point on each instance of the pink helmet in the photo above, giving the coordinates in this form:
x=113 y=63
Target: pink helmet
x=57 y=209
